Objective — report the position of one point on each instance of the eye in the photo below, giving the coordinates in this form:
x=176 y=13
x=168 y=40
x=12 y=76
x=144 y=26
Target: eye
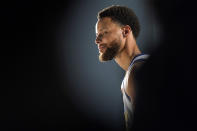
x=105 y=32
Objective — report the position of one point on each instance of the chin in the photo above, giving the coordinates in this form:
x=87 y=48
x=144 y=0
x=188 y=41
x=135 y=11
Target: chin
x=104 y=58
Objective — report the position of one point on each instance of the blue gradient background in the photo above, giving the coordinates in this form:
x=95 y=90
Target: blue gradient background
x=94 y=87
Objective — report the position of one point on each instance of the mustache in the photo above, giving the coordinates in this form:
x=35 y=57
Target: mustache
x=104 y=44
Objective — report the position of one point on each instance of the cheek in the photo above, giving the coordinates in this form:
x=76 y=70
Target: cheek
x=113 y=37
x=105 y=40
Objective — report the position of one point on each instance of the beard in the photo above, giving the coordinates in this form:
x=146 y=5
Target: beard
x=110 y=52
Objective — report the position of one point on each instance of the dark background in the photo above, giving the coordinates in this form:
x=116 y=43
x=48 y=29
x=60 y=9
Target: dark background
x=52 y=79
x=166 y=93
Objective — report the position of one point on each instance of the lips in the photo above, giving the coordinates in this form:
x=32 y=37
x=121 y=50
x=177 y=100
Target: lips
x=101 y=48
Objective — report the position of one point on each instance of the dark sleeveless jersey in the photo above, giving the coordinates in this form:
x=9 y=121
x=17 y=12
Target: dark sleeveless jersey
x=128 y=102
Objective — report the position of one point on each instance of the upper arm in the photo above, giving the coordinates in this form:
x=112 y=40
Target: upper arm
x=131 y=81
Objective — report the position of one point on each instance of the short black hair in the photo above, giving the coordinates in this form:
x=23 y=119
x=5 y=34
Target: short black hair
x=123 y=15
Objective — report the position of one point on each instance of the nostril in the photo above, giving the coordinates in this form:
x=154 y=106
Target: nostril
x=97 y=41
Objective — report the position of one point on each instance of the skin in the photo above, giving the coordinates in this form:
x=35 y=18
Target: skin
x=108 y=33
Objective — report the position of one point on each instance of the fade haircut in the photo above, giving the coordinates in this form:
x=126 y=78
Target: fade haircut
x=122 y=15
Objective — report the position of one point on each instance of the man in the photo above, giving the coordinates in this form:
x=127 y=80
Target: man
x=117 y=29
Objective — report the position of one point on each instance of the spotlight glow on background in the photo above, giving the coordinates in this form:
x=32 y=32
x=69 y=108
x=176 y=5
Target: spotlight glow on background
x=95 y=87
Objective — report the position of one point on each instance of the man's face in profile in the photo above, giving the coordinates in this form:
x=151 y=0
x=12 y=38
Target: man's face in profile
x=108 y=38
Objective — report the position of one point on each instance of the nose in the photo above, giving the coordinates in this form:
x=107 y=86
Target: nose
x=98 y=40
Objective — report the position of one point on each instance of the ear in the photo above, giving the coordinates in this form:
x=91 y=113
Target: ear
x=126 y=30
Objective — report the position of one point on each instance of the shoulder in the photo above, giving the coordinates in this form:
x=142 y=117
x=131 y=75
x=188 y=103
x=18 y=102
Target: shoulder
x=135 y=68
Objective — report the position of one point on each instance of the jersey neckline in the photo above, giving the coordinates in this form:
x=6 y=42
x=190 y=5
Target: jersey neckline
x=134 y=59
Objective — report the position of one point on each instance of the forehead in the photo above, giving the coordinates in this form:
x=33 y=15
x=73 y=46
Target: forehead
x=106 y=23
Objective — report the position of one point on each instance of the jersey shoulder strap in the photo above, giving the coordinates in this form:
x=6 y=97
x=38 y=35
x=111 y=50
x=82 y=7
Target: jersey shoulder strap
x=140 y=57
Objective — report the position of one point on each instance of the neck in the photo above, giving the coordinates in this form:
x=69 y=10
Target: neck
x=124 y=58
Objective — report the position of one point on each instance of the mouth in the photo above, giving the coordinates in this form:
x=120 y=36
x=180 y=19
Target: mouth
x=101 y=48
